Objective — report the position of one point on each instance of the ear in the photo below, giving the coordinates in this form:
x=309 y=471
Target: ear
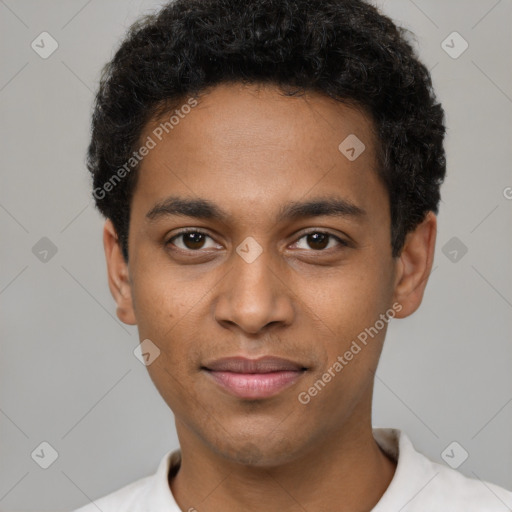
x=118 y=275
x=414 y=265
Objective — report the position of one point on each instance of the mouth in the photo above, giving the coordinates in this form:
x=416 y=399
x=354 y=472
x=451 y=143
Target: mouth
x=254 y=378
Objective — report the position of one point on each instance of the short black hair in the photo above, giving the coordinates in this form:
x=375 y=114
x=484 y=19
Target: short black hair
x=344 y=49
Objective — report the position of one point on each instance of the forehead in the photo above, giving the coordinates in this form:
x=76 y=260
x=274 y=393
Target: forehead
x=251 y=147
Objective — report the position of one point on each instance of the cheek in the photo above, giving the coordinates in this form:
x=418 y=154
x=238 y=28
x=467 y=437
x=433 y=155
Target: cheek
x=349 y=304
x=349 y=299
x=173 y=383
x=171 y=322
x=169 y=311
x=156 y=310
x=162 y=299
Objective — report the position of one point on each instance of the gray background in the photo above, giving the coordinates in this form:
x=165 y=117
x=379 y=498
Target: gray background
x=68 y=375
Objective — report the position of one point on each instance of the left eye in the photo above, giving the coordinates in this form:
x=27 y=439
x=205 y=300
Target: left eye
x=319 y=241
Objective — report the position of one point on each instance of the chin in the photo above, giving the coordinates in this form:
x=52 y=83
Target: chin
x=259 y=451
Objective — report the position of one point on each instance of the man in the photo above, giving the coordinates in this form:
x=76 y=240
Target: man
x=270 y=175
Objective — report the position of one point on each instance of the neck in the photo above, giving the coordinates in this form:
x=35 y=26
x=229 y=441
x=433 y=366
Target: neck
x=346 y=471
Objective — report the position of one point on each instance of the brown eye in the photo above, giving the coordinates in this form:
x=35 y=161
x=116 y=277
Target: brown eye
x=191 y=241
x=318 y=241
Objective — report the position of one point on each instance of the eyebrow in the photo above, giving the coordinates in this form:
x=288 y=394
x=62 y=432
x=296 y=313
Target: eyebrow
x=205 y=209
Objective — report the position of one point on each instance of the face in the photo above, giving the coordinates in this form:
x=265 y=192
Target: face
x=286 y=253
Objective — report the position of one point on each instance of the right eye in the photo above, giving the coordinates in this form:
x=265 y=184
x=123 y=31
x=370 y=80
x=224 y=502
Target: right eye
x=191 y=240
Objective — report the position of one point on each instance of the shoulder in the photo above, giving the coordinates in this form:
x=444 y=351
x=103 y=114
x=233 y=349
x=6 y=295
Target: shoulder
x=151 y=493
x=420 y=484
x=122 y=499
x=459 y=492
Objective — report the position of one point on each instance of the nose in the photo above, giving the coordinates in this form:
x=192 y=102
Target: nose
x=254 y=295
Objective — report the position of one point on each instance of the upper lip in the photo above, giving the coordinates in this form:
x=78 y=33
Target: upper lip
x=266 y=364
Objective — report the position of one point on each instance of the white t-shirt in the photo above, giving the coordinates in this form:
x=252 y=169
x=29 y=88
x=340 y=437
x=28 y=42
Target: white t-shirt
x=418 y=485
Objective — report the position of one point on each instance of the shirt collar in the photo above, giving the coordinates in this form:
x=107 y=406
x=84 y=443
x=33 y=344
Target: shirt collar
x=392 y=441
x=159 y=495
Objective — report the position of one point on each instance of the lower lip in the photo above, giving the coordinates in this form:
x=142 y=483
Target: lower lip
x=255 y=385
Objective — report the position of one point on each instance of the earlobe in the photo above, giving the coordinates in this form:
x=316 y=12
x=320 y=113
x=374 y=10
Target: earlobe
x=415 y=265
x=118 y=275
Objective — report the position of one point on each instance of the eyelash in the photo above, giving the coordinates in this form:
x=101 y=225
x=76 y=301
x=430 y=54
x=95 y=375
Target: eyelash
x=341 y=242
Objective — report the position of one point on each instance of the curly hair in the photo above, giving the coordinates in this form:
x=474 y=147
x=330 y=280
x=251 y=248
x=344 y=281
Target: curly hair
x=345 y=49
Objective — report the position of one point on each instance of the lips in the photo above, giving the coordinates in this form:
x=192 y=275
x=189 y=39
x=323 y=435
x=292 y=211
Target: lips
x=254 y=378
x=262 y=365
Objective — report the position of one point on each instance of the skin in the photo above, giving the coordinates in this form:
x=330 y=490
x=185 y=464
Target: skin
x=251 y=150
